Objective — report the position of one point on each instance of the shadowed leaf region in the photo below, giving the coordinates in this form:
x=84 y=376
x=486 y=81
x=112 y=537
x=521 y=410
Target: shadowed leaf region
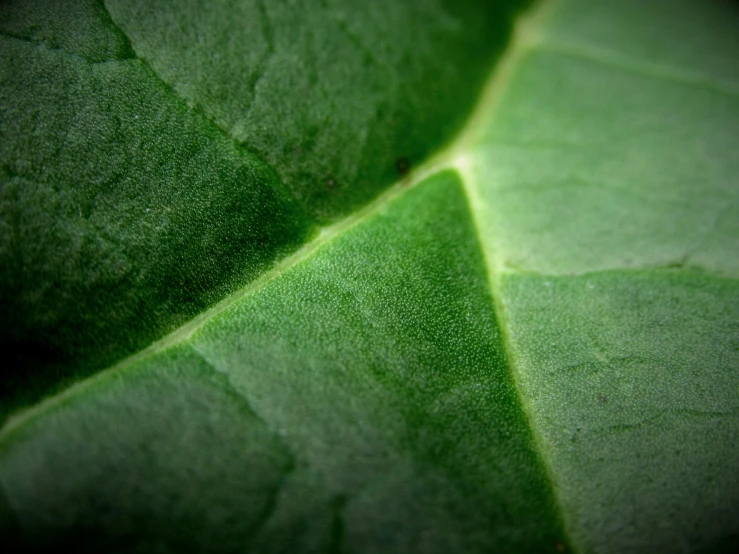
x=155 y=158
x=387 y=320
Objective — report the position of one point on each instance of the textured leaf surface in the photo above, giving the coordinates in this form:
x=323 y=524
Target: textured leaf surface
x=136 y=189
x=331 y=93
x=396 y=420
x=528 y=344
x=123 y=213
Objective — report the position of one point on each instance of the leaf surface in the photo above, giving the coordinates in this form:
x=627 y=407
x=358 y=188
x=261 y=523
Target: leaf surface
x=147 y=175
x=530 y=343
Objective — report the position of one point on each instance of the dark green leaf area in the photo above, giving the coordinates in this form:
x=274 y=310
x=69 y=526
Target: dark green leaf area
x=632 y=378
x=403 y=434
x=379 y=361
x=333 y=94
x=82 y=27
x=164 y=457
x=122 y=215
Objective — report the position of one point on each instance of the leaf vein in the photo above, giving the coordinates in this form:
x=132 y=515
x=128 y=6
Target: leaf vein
x=645 y=69
x=200 y=110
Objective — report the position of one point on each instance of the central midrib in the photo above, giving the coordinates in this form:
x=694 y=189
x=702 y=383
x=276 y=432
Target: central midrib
x=526 y=37
x=456 y=156
x=459 y=155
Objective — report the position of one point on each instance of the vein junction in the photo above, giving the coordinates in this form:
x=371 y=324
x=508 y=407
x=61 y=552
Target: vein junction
x=458 y=156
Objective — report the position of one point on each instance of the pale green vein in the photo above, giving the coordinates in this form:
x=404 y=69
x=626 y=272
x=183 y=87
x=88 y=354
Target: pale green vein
x=461 y=156
x=325 y=236
x=632 y=65
x=527 y=41
x=681 y=265
x=458 y=155
x=526 y=38
x=452 y=156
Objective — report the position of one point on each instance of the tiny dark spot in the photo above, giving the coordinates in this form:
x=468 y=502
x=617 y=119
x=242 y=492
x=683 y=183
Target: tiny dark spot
x=330 y=183
x=402 y=165
x=560 y=547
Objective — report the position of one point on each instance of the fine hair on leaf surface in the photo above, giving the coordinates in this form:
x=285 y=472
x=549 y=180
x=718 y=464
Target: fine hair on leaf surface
x=344 y=276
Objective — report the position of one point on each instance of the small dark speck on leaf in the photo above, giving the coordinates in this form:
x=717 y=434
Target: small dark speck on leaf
x=560 y=547
x=330 y=183
x=402 y=165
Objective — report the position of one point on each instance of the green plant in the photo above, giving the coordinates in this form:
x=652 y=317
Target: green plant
x=340 y=276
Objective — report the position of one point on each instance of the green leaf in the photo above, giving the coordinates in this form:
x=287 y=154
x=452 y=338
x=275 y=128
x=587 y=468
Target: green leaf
x=236 y=321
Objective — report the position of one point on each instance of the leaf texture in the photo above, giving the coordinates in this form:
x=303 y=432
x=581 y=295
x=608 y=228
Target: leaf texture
x=528 y=343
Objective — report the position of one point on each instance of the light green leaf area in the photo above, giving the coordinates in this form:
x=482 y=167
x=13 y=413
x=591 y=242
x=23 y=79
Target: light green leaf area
x=374 y=365
x=632 y=380
x=610 y=221
x=528 y=344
